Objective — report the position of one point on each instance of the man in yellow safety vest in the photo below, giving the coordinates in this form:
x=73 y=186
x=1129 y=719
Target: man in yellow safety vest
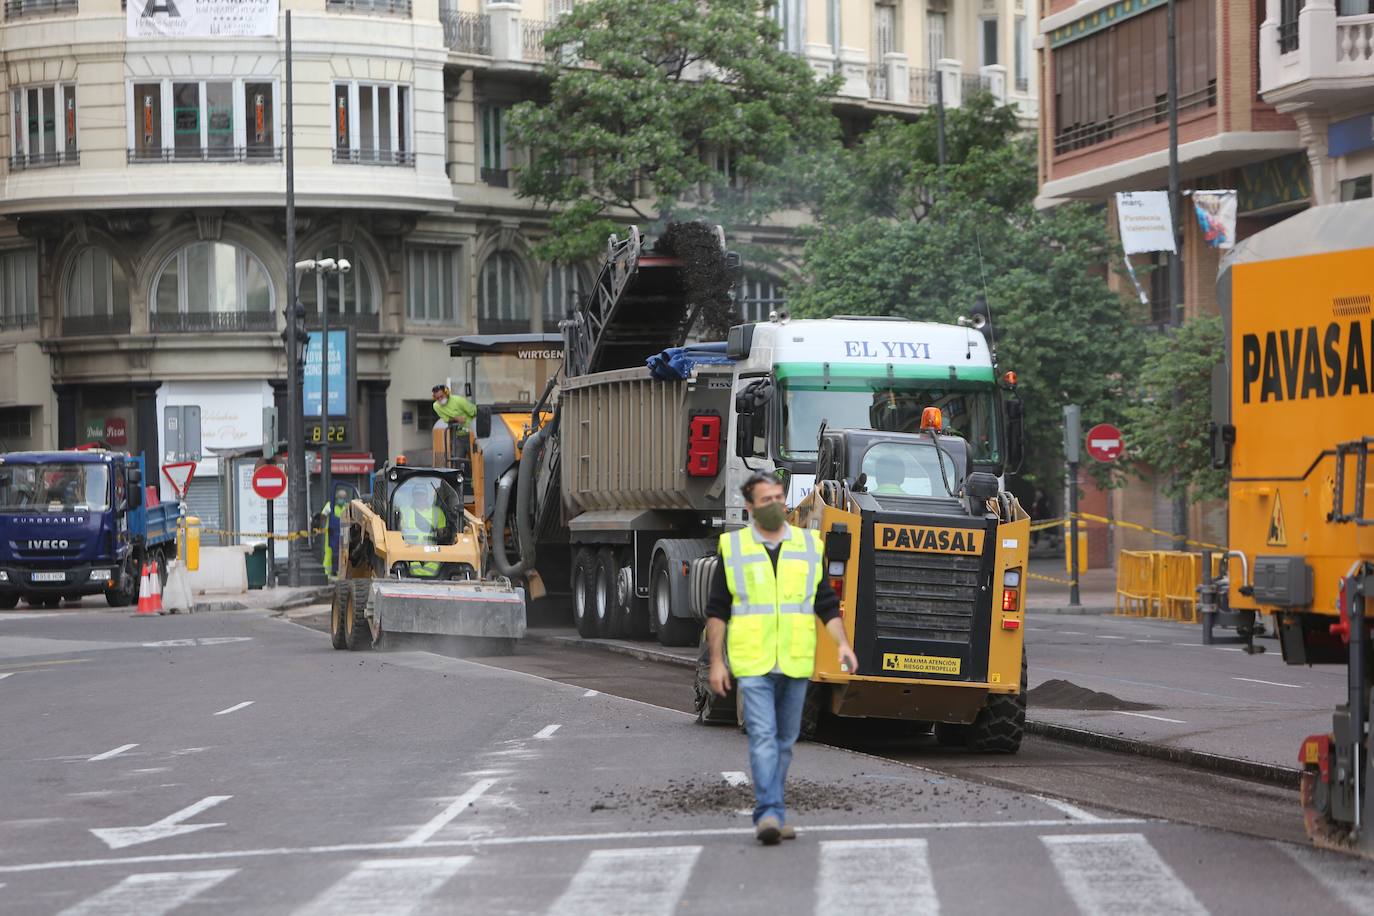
x=769 y=587
x=421 y=522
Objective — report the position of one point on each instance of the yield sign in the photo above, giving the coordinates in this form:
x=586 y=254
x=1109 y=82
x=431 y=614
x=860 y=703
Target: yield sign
x=179 y=476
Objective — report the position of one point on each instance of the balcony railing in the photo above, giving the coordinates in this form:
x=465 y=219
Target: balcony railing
x=469 y=33
x=93 y=325
x=1355 y=39
x=16 y=9
x=372 y=7
x=878 y=87
x=925 y=86
x=193 y=322
x=1023 y=84
x=532 y=32
x=12 y=322
x=366 y=321
x=207 y=154
x=1077 y=136
x=374 y=156
x=974 y=83
x=44 y=160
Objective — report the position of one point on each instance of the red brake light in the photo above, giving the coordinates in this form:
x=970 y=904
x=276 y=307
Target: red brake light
x=1012 y=624
x=1011 y=599
x=837 y=583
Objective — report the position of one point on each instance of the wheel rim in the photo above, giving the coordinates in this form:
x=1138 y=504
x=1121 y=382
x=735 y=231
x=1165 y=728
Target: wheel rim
x=601 y=597
x=662 y=607
x=579 y=594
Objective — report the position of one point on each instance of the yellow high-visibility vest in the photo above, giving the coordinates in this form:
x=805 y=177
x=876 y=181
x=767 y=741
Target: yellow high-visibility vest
x=411 y=527
x=772 y=615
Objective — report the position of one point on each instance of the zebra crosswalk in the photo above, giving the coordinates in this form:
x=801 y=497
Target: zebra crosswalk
x=1079 y=869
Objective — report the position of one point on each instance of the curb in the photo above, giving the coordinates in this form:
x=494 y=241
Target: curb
x=303 y=598
x=1272 y=774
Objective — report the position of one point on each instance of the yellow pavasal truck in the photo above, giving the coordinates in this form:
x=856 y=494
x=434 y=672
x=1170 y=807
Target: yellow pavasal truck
x=1296 y=433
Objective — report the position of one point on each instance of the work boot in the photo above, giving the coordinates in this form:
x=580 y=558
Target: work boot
x=788 y=832
x=768 y=831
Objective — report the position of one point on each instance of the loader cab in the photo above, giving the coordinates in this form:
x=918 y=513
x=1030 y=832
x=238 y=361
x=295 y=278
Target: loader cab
x=897 y=471
x=424 y=504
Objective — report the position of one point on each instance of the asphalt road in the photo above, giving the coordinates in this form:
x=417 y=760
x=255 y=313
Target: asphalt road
x=233 y=763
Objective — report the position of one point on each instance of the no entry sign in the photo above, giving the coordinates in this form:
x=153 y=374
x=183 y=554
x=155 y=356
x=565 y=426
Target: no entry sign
x=1104 y=442
x=269 y=481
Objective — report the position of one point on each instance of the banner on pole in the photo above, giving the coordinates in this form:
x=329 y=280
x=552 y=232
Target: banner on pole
x=201 y=18
x=1216 y=217
x=1144 y=220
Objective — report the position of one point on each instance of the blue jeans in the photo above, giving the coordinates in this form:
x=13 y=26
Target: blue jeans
x=772 y=714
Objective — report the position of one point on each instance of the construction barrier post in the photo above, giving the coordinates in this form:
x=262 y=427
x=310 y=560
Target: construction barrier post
x=192 y=556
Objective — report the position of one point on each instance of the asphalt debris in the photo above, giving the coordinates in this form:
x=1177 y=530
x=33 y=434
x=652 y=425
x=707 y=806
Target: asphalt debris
x=1061 y=694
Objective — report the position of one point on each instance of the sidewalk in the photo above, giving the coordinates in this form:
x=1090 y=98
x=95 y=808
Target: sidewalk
x=1138 y=686
x=281 y=598
x=1096 y=589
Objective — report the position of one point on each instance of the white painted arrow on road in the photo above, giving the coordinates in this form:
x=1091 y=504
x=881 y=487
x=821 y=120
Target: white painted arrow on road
x=171 y=825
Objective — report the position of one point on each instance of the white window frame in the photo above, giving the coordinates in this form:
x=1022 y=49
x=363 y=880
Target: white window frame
x=935 y=55
x=884 y=10
x=240 y=109
x=423 y=252
x=27 y=259
x=399 y=151
x=484 y=112
x=241 y=256
x=19 y=106
x=554 y=312
x=983 y=41
x=791 y=15
x=1021 y=52
x=505 y=309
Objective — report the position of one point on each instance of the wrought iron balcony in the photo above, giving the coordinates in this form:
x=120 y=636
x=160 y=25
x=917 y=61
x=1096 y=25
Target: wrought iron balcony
x=469 y=33
x=364 y=321
x=43 y=160
x=207 y=154
x=925 y=86
x=374 y=156
x=17 y=9
x=372 y=7
x=13 y=322
x=211 y=322
x=532 y=32
x=94 y=325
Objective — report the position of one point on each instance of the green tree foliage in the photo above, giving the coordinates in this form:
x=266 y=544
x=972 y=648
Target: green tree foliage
x=897 y=235
x=1167 y=423
x=675 y=109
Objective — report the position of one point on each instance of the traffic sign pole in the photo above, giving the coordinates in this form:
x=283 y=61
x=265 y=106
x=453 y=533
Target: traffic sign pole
x=271 y=544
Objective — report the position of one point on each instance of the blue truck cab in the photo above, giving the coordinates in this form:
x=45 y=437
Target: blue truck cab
x=76 y=523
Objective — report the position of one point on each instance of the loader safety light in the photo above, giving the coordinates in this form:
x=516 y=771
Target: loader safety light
x=1009 y=379
x=931 y=419
x=400 y=459
x=1011 y=599
x=1011 y=578
x=1012 y=624
x=837 y=584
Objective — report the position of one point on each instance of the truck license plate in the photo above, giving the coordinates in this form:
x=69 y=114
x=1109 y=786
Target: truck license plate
x=49 y=577
x=921 y=664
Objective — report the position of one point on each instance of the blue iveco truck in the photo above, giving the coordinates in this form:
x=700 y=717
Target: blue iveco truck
x=77 y=523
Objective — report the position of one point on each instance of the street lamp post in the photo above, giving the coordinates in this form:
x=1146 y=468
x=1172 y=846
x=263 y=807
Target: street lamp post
x=295 y=433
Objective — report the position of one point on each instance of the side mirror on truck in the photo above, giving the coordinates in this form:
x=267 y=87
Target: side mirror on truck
x=751 y=419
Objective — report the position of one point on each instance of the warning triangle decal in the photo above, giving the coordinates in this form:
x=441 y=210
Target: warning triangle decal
x=1278 y=534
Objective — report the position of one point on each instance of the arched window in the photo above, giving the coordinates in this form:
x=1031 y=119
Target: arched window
x=97 y=295
x=563 y=291
x=759 y=294
x=212 y=286
x=503 y=301
x=350 y=296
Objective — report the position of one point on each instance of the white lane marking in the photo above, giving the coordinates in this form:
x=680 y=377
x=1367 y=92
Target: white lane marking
x=1346 y=879
x=235 y=708
x=1118 y=873
x=385 y=887
x=628 y=882
x=735 y=777
x=1072 y=633
x=171 y=825
x=876 y=877
x=150 y=894
x=1227 y=648
x=440 y=820
x=201 y=641
x=1147 y=640
x=1141 y=715
x=591 y=693
x=621 y=836
x=6 y=674
x=112 y=753
x=1255 y=680
x=1073 y=811
x=546 y=732
x=1102 y=636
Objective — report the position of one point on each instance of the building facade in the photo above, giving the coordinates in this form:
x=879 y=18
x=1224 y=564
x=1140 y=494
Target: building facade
x=142 y=188
x=1267 y=90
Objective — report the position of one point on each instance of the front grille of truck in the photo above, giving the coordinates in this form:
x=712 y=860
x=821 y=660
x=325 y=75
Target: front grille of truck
x=925 y=596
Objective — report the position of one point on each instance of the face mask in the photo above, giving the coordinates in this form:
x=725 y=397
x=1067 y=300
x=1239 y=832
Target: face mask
x=771 y=516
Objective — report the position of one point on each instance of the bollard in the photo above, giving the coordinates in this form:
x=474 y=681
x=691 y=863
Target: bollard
x=188 y=542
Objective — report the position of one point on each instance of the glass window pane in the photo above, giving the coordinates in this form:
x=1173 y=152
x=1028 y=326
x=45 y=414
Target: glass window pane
x=367 y=138
x=69 y=113
x=402 y=118
x=384 y=118
x=257 y=291
x=49 y=95
x=35 y=118
x=224 y=290
x=186 y=119
x=198 y=277
x=17 y=108
x=413 y=284
x=341 y=115
x=446 y=259
x=219 y=118
x=167 y=286
x=257 y=111
x=119 y=289
x=148 y=108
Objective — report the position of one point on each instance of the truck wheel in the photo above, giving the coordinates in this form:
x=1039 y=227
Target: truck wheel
x=337 y=606
x=667 y=591
x=583 y=572
x=52 y=602
x=609 y=622
x=634 y=611
x=711 y=709
x=357 y=636
x=126 y=588
x=1001 y=722
x=9 y=602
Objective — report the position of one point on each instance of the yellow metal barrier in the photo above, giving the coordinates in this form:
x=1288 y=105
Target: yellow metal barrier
x=1160 y=583
x=1135 y=583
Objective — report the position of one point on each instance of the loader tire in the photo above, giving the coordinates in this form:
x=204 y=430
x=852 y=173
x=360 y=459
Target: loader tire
x=337 y=606
x=609 y=622
x=583 y=572
x=711 y=709
x=1001 y=722
x=357 y=636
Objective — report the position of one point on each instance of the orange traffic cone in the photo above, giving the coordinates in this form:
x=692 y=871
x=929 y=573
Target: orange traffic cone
x=145 y=602
x=155 y=582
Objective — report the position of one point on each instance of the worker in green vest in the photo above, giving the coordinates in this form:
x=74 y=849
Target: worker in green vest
x=329 y=520
x=454 y=411
x=421 y=522
x=767 y=592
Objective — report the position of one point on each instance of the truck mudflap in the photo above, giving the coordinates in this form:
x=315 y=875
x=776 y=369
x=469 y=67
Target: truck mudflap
x=488 y=610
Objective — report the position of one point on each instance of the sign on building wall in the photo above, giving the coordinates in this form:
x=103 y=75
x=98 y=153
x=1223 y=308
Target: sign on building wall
x=340 y=373
x=1216 y=217
x=1144 y=220
x=201 y=18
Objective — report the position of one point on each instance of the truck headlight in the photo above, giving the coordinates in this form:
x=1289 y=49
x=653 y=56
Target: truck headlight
x=100 y=575
x=4 y=576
